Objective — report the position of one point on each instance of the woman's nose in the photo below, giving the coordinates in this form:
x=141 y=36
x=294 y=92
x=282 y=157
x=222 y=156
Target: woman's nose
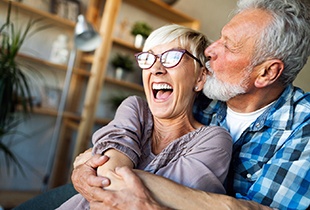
x=158 y=68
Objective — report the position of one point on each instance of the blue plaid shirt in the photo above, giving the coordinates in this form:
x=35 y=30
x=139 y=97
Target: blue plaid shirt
x=271 y=159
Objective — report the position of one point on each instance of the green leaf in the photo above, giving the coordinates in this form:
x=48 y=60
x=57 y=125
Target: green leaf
x=14 y=83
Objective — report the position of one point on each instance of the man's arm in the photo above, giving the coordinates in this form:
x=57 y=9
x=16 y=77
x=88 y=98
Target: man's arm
x=151 y=192
x=177 y=196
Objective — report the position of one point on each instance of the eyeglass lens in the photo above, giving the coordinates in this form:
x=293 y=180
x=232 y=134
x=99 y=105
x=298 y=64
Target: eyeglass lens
x=168 y=59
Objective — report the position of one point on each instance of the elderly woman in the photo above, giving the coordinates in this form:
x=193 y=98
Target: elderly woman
x=162 y=136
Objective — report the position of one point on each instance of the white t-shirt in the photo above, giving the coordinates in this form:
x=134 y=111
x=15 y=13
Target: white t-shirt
x=238 y=122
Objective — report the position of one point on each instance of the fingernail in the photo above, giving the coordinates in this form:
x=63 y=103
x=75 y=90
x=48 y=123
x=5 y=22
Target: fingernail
x=103 y=157
x=105 y=182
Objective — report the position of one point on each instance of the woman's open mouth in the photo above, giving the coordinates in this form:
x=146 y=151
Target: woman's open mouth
x=161 y=91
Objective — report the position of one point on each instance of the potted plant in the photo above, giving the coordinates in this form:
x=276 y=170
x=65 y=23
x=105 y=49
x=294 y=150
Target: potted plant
x=14 y=84
x=141 y=31
x=122 y=63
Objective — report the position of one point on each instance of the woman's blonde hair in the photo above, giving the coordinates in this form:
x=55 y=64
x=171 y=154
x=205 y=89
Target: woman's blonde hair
x=193 y=41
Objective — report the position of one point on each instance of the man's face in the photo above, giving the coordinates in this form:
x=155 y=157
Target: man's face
x=229 y=71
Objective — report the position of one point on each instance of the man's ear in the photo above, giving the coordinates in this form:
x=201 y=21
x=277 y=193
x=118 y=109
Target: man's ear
x=269 y=73
x=201 y=79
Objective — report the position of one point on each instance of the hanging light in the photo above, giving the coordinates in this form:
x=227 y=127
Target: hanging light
x=86 y=38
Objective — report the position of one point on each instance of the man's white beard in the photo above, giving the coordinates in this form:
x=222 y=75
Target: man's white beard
x=218 y=90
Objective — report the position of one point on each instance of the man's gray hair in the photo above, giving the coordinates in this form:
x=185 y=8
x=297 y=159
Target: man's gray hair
x=287 y=37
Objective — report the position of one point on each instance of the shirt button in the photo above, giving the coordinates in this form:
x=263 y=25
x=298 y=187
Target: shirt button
x=249 y=176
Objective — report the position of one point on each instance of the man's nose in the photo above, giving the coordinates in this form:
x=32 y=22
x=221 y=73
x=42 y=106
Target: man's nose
x=210 y=52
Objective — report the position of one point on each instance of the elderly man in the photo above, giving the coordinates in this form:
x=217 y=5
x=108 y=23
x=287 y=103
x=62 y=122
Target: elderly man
x=251 y=70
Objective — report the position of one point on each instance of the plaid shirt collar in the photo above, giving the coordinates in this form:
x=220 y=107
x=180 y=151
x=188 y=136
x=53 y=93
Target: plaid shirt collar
x=277 y=116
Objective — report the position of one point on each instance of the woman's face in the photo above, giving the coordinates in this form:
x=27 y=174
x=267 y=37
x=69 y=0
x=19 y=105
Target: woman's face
x=170 y=91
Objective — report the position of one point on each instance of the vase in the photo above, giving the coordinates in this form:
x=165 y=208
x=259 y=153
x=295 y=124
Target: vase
x=119 y=73
x=139 y=41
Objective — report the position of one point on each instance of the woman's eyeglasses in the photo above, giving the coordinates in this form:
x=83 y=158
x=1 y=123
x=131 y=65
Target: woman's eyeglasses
x=168 y=59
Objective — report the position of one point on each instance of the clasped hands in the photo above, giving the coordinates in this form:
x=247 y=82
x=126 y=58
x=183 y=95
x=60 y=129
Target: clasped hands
x=126 y=192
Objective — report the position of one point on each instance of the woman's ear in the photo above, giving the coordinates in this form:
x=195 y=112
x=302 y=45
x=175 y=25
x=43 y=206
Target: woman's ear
x=201 y=79
x=269 y=73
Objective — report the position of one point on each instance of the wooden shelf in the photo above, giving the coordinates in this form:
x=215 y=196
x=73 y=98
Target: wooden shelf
x=102 y=121
x=75 y=125
x=125 y=84
x=53 y=112
x=165 y=11
x=41 y=14
x=89 y=58
x=125 y=44
x=73 y=118
x=31 y=60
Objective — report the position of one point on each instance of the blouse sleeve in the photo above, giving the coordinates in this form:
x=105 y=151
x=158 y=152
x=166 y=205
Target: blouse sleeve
x=132 y=120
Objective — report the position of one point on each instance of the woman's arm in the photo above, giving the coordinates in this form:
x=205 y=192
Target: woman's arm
x=124 y=133
x=116 y=159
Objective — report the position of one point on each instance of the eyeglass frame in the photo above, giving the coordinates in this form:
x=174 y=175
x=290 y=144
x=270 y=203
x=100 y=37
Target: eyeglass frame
x=183 y=51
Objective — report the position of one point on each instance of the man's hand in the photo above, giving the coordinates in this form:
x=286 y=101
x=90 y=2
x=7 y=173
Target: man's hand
x=132 y=194
x=84 y=175
x=82 y=158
